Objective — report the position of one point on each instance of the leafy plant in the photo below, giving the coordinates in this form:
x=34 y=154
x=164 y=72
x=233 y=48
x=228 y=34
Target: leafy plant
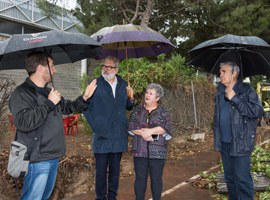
x=84 y=82
x=211 y=176
x=260 y=164
x=167 y=72
x=220 y=197
x=50 y=9
x=86 y=125
x=260 y=159
x=267 y=172
x=265 y=195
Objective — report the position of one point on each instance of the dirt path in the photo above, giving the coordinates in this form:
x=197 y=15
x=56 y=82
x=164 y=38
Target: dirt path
x=75 y=179
x=193 y=159
x=175 y=172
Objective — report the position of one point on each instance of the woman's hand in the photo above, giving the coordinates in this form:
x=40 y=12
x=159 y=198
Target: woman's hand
x=150 y=139
x=146 y=133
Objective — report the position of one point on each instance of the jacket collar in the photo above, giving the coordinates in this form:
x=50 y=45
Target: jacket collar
x=237 y=87
x=30 y=82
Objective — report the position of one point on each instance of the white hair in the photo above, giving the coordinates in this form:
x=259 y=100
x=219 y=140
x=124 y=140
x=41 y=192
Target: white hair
x=158 y=88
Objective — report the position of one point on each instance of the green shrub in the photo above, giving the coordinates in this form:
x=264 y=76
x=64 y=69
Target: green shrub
x=259 y=159
x=167 y=72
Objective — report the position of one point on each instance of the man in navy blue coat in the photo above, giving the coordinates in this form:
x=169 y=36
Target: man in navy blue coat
x=106 y=115
x=237 y=109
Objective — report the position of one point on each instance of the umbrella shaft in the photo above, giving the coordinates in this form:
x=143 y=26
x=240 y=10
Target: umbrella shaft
x=127 y=65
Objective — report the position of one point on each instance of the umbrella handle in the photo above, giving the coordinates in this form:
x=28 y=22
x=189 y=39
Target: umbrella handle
x=127 y=64
x=50 y=72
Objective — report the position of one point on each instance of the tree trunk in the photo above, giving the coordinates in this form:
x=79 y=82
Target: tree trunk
x=147 y=14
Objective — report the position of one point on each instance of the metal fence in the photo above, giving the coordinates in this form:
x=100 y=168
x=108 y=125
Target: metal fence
x=182 y=102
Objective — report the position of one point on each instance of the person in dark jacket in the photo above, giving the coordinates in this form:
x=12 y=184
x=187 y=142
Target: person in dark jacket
x=150 y=127
x=37 y=113
x=106 y=115
x=237 y=109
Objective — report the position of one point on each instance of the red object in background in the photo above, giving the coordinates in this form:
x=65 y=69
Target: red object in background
x=68 y=125
x=77 y=117
x=12 y=126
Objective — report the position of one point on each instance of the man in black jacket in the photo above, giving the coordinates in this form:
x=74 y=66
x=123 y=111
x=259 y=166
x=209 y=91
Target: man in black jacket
x=237 y=109
x=37 y=113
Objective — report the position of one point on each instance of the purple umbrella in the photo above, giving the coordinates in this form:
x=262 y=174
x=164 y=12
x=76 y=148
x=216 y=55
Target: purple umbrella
x=131 y=41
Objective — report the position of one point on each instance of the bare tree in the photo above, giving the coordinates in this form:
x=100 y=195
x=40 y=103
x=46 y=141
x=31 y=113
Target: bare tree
x=142 y=11
x=6 y=87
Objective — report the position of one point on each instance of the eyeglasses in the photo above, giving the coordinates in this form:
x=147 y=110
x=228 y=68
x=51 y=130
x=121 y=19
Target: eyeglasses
x=108 y=67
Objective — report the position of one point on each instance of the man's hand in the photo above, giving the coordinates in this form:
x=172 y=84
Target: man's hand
x=229 y=93
x=90 y=89
x=130 y=93
x=54 y=96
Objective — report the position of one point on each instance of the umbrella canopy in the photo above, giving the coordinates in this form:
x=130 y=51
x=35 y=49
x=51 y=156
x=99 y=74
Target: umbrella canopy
x=65 y=47
x=251 y=53
x=131 y=40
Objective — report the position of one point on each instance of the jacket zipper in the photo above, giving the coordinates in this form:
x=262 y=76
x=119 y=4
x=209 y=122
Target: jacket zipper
x=147 y=126
x=148 y=142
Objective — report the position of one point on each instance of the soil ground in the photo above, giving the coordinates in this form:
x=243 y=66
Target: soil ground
x=75 y=179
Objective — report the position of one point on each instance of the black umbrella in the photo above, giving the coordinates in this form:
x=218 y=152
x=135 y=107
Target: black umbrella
x=65 y=47
x=251 y=53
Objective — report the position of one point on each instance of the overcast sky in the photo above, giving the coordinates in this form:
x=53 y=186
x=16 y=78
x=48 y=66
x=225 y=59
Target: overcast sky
x=68 y=4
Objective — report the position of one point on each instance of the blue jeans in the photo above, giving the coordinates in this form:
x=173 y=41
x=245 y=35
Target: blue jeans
x=153 y=167
x=103 y=161
x=40 y=179
x=237 y=174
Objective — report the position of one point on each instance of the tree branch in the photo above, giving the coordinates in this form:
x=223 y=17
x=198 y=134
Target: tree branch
x=161 y=15
x=208 y=14
x=147 y=13
x=123 y=10
x=136 y=12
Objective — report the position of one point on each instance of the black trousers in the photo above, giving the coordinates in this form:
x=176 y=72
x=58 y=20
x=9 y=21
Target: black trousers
x=103 y=162
x=153 y=167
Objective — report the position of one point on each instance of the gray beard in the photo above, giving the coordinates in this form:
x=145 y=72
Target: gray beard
x=108 y=77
